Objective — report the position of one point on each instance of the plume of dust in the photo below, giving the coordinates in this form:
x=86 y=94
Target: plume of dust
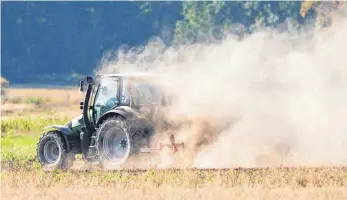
x=269 y=99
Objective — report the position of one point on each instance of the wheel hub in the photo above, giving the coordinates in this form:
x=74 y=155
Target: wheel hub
x=51 y=151
x=123 y=144
x=116 y=145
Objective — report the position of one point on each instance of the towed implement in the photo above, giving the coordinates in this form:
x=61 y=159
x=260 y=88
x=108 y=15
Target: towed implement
x=120 y=114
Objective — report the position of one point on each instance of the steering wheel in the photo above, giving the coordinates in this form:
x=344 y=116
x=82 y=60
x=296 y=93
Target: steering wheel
x=111 y=102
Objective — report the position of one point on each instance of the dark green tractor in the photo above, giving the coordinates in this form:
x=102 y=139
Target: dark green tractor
x=119 y=117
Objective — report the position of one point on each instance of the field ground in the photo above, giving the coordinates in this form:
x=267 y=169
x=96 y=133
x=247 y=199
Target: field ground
x=292 y=183
x=176 y=193
x=26 y=112
x=37 y=101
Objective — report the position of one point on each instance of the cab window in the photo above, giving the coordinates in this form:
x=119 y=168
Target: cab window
x=141 y=92
x=107 y=93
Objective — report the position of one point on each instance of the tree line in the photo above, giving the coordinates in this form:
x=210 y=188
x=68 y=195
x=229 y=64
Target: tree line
x=57 y=41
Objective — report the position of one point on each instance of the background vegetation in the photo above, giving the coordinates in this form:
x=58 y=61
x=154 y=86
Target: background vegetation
x=56 y=42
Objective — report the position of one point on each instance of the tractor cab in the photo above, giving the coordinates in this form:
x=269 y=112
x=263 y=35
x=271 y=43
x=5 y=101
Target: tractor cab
x=108 y=92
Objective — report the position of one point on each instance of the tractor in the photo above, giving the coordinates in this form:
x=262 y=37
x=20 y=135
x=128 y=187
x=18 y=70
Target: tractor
x=119 y=118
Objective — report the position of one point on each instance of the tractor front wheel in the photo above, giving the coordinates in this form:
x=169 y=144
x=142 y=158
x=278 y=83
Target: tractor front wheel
x=52 y=151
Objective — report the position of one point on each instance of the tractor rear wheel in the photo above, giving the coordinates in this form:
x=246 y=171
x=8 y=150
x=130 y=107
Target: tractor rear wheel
x=114 y=143
x=52 y=151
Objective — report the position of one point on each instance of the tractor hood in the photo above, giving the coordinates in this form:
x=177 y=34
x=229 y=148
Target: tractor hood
x=76 y=124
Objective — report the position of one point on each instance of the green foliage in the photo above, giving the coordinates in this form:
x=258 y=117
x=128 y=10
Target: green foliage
x=146 y=7
x=81 y=33
x=324 y=11
x=19 y=137
x=198 y=23
x=4 y=82
x=38 y=101
x=18 y=151
x=15 y=100
x=48 y=42
x=27 y=124
x=211 y=20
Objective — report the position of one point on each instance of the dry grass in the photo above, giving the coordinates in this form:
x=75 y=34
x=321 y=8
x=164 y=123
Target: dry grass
x=175 y=193
x=35 y=101
x=56 y=95
x=272 y=184
x=277 y=183
x=295 y=177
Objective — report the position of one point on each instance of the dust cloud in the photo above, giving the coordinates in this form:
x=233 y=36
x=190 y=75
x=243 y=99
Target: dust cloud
x=272 y=98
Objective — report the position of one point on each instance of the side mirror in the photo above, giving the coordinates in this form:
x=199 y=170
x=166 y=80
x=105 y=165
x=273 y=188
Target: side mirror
x=82 y=86
x=90 y=80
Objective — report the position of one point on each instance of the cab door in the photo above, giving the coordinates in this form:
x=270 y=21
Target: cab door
x=107 y=97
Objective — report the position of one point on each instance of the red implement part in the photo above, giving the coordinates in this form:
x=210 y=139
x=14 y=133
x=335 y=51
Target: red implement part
x=173 y=146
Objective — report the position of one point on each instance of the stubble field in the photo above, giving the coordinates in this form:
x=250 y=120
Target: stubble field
x=26 y=112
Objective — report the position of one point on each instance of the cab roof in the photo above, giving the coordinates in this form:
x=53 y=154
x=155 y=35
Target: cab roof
x=125 y=75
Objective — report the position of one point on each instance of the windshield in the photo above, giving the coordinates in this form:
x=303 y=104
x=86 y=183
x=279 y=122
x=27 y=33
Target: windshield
x=107 y=94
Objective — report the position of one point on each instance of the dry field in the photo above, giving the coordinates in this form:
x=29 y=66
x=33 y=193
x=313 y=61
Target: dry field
x=278 y=183
x=37 y=101
x=27 y=111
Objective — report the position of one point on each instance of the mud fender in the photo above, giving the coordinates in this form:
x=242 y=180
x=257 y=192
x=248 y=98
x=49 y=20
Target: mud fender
x=64 y=130
x=124 y=111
